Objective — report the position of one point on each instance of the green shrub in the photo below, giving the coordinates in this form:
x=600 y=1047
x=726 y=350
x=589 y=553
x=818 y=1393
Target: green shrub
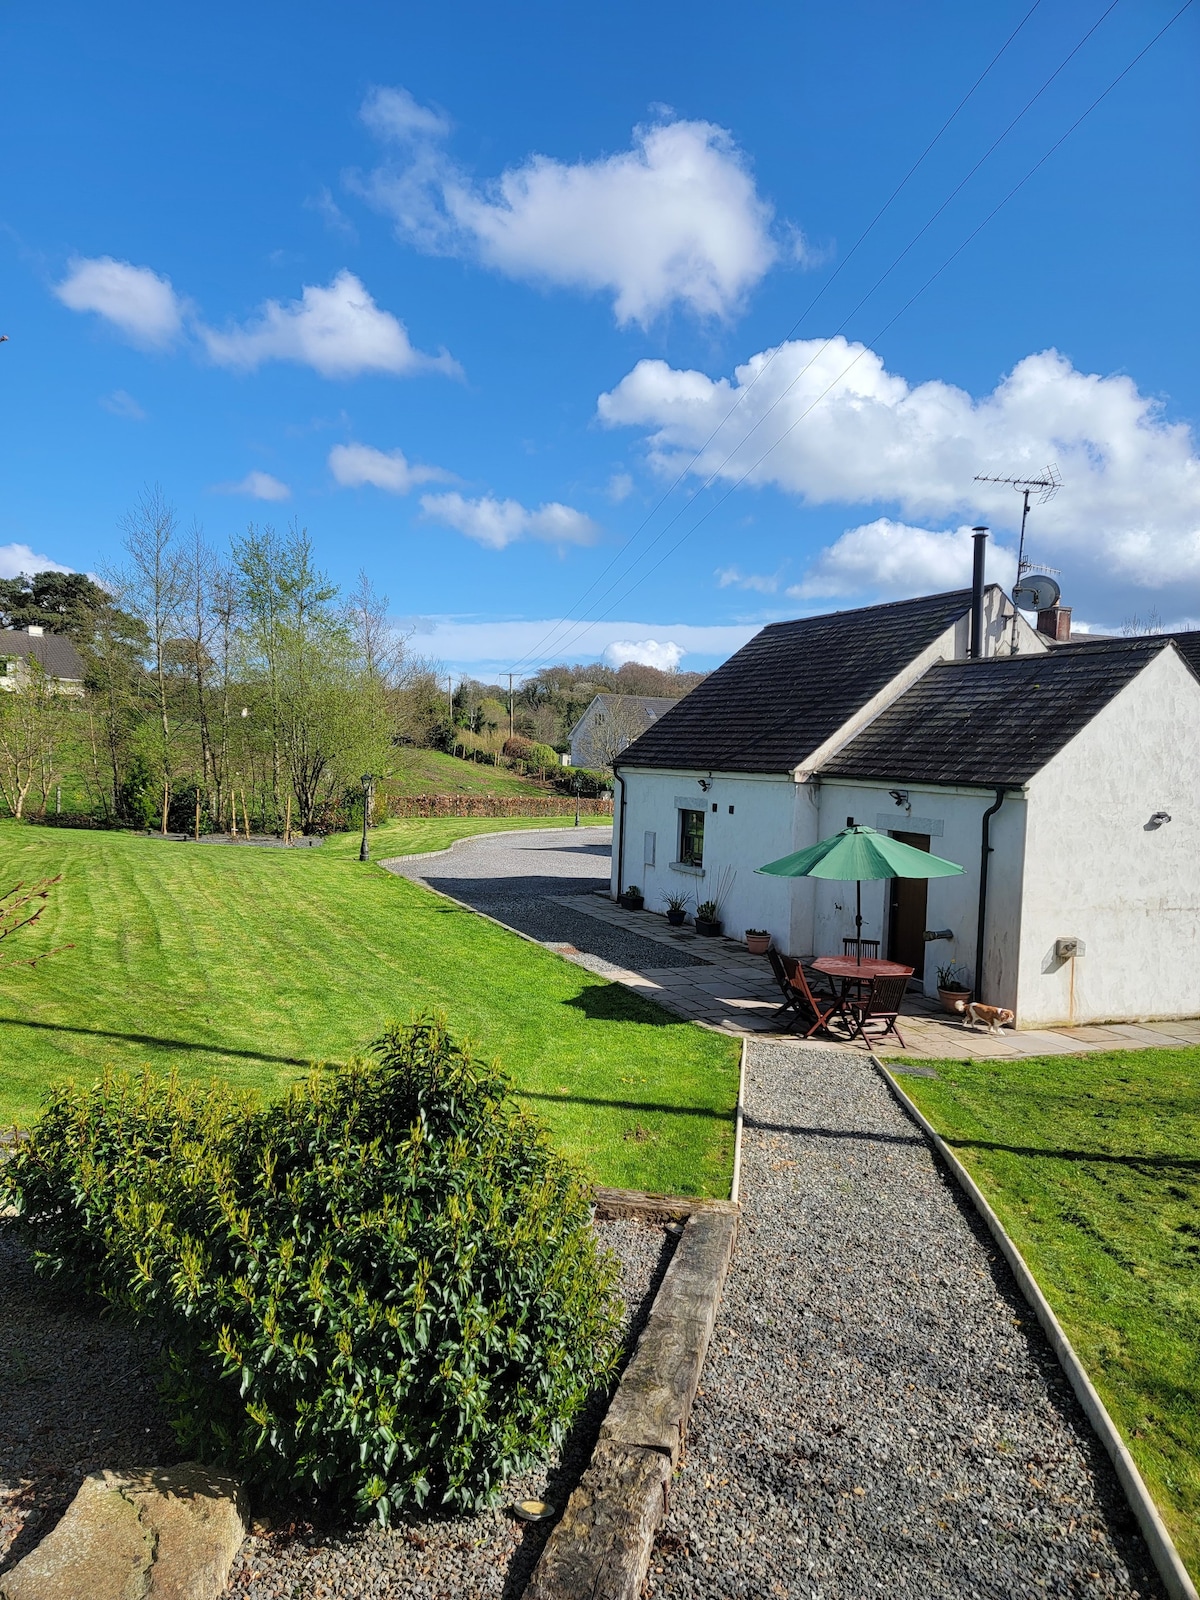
x=384 y=1287
x=542 y=758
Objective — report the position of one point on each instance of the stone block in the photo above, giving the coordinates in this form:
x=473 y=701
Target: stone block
x=166 y=1533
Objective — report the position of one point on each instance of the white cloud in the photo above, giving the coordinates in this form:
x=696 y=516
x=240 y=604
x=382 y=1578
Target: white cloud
x=481 y=645
x=122 y=404
x=646 y=652
x=18 y=558
x=497 y=523
x=334 y=218
x=136 y=300
x=258 y=485
x=676 y=219
x=394 y=114
x=354 y=465
x=1130 y=501
x=892 y=561
x=620 y=487
x=734 y=578
x=338 y=330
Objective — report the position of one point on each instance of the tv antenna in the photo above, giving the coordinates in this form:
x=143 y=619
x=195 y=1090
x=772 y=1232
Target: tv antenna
x=1045 y=488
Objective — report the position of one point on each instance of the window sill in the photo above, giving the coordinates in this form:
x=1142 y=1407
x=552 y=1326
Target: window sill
x=686 y=866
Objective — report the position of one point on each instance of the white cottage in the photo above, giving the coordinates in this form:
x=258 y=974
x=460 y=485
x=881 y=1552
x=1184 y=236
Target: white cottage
x=1062 y=776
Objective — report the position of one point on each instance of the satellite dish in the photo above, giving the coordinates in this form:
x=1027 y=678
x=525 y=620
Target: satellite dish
x=1036 y=592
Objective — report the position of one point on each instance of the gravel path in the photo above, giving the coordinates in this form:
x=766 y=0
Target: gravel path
x=76 y=1393
x=514 y=877
x=465 y=1557
x=880 y=1413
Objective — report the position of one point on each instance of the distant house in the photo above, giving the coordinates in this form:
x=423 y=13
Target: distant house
x=1061 y=776
x=57 y=656
x=612 y=722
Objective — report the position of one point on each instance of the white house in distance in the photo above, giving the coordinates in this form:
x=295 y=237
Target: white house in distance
x=58 y=658
x=1063 y=777
x=611 y=723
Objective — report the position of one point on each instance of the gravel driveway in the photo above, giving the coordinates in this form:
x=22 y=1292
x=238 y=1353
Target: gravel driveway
x=515 y=876
x=880 y=1413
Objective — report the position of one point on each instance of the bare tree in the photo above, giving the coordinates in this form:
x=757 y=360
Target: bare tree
x=155 y=588
x=617 y=723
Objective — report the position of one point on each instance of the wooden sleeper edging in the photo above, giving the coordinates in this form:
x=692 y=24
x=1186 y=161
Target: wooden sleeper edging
x=600 y=1549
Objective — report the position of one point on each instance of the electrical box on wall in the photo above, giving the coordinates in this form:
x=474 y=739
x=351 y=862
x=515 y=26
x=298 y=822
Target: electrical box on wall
x=650 y=840
x=1065 y=949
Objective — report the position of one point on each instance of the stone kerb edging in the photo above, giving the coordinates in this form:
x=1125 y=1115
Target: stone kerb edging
x=600 y=1549
x=1163 y=1553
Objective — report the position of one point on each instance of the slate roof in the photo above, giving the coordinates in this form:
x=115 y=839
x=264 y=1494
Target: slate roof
x=792 y=687
x=992 y=722
x=57 y=655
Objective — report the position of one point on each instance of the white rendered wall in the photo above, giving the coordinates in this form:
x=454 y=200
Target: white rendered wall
x=1095 y=871
x=807 y=916
x=761 y=828
x=954 y=820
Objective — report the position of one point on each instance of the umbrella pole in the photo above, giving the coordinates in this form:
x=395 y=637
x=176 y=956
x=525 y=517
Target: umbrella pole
x=858 y=922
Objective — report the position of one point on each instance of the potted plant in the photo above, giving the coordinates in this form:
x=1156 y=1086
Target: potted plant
x=952 y=991
x=631 y=898
x=708 y=912
x=758 y=941
x=676 y=905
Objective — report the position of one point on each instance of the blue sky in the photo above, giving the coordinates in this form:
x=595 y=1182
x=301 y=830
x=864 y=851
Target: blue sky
x=466 y=289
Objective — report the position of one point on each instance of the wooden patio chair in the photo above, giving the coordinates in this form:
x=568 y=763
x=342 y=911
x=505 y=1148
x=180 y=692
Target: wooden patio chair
x=809 y=1010
x=881 y=1004
x=861 y=947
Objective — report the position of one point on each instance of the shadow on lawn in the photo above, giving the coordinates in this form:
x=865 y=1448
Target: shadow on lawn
x=1189 y=1163
x=626 y=1105
x=153 y=1040
x=611 y=1002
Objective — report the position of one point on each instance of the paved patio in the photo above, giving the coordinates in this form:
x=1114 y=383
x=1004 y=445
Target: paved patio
x=735 y=992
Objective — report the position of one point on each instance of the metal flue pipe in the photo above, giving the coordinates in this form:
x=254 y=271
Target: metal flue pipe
x=979 y=536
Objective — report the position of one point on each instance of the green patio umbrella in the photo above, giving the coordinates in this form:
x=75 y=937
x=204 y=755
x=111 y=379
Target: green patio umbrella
x=860 y=853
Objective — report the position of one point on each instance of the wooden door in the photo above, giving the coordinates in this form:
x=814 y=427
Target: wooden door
x=906 y=920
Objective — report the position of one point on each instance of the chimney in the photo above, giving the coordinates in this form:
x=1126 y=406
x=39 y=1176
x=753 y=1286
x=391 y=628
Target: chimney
x=1055 y=623
x=979 y=535
x=34 y=632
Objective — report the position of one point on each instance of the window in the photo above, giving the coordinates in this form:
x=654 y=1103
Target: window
x=691 y=838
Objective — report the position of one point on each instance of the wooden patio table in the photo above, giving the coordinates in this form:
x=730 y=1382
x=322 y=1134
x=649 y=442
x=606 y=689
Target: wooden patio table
x=855 y=975
x=865 y=970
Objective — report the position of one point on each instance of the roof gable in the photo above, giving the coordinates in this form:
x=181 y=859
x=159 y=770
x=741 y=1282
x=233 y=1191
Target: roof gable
x=57 y=655
x=992 y=723
x=790 y=689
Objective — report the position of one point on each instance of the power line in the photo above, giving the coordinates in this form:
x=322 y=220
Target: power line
x=830 y=280
x=737 y=483
x=815 y=357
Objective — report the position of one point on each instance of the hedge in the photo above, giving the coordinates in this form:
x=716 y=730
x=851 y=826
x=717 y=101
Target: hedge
x=384 y=1288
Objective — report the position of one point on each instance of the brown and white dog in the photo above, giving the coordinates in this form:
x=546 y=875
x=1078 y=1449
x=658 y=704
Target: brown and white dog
x=973 y=1013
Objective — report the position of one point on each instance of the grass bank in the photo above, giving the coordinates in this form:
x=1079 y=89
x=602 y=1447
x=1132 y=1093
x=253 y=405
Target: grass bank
x=1093 y=1164
x=421 y=772
x=249 y=964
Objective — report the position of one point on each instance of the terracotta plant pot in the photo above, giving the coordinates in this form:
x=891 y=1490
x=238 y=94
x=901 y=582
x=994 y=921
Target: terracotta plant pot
x=758 y=943
x=676 y=918
x=707 y=929
x=950 y=999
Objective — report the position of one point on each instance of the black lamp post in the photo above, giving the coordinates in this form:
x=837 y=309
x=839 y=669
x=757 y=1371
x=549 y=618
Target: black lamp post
x=575 y=786
x=368 y=783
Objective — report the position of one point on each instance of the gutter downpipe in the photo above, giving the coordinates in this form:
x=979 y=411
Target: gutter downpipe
x=620 y=840
x=985 y=851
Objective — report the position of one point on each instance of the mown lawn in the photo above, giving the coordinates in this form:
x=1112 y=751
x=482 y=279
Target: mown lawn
x=1093 y=1164
x=249 y=964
